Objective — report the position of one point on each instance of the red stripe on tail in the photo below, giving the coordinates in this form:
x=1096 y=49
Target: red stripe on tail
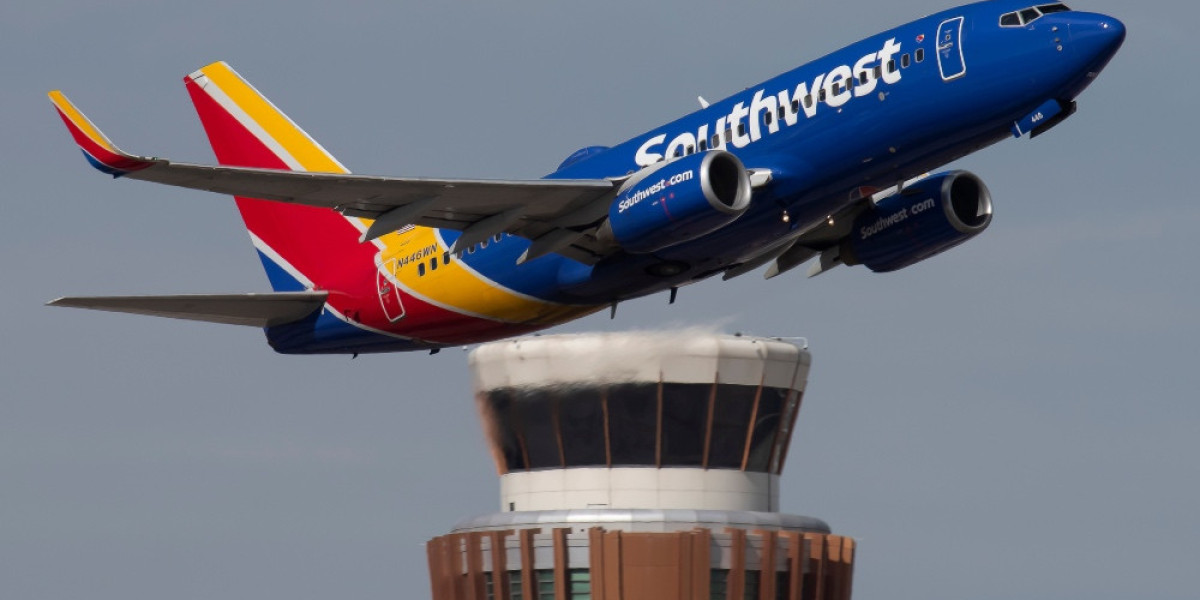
x=319 y=242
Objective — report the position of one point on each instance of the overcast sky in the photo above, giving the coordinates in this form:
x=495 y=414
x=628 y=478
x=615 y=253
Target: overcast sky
x=1017 y=418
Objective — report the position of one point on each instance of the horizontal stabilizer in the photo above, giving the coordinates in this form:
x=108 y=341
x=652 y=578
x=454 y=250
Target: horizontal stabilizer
x=256 y=310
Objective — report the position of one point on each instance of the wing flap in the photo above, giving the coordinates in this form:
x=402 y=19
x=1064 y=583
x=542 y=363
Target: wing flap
x=255 y=310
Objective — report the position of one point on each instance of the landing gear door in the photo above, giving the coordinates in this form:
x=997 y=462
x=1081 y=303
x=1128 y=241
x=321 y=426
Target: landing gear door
x=949 y=49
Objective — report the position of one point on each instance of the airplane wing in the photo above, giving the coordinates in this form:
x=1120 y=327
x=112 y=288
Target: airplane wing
x=554 y=213
x=256 y=310
x=822 y=240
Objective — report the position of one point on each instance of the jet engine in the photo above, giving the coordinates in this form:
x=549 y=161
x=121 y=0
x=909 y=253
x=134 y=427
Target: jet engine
x=924 y=220
x=676 y=201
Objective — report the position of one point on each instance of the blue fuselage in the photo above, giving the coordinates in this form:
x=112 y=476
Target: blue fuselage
x=873 y=114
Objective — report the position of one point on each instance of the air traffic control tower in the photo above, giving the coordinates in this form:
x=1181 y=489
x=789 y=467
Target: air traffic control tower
x=640 y=466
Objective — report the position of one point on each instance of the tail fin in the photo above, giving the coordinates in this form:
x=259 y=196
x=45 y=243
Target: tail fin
x=301 y=247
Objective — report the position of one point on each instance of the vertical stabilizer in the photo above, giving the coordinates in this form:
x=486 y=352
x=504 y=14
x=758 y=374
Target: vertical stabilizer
x=301 y=247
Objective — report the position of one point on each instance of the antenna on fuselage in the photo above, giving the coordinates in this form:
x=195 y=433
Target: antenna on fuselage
x=702 y=101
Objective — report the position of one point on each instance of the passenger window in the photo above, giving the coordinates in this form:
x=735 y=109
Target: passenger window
x=728 y=135
x=808 y=101
x=904 y=62
x=483 y=244
x=498 y=237
x=822 y=96
x=420 y=269
x=690 y=150
x=863 y=78
x=1010 y=20
x=471 y=250
x=741 y=129
x=782 y=109
x=766 y=119
x=716 y=140
x=796 y=104
x=703 y=145
x=878 y=72
x=446 y=257
x=433 y=264
x=920 y=54
x=891 y=66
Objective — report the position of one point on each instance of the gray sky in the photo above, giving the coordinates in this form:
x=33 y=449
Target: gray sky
x=1016 y=418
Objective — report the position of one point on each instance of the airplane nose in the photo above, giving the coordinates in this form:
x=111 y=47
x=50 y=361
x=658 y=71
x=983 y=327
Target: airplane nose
x=1096 y=37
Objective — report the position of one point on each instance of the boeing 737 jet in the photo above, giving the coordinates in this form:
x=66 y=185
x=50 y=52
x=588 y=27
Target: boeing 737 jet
x=827 y=163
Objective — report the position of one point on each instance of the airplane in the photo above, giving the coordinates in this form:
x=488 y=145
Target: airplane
x=827 y=163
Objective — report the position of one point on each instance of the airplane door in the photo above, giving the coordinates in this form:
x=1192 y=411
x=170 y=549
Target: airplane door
x=949 y=49
x=389 y=294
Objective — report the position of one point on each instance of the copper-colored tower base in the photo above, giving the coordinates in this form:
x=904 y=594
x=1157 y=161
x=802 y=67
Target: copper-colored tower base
x=618 y=565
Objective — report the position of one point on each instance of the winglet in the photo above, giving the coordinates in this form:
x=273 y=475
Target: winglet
x=97 y=148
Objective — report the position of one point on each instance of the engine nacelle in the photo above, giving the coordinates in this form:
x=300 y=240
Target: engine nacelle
x=676 y=201
x=926 y=219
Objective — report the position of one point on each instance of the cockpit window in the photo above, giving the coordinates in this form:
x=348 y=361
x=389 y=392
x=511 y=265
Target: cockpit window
x=1031 y=14
x=1046 y=9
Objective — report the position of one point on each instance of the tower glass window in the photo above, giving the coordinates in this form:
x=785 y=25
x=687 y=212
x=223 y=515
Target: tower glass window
x=718 y=584
x=536 y=409
x=766 y=428
x=750 y=589
x=579 y=584
x=545 y=583
x=581 y=417
x=633 y=423
x=684 y=413
x=731 y=421
x=516 y=587
x=504 y=416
